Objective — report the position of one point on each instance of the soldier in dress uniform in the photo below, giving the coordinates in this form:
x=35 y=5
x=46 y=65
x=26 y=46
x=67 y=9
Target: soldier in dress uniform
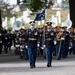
x=5 y=41
x=1 y=42
x=32 y=36
x=72 y=42
x=22 y=37
x=40 y=50
x=9 y=37
x=59 y=33
x=49 y=43
x=65 y=42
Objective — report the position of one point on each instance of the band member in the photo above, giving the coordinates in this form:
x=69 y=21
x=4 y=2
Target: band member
x=59 y=33
x=9 y=37
x=65 y=42
x=1 y=42
x=5 y=41
x=24 y=52
x=49 y=43
x=32 y=36
x=72 y=42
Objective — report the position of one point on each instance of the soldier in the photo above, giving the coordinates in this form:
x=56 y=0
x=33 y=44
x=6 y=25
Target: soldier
x=5 y=41
x=59 y=33
x=40 y=52
x=9 y=37
x=1 y=42
x=32 y=36
x=65 y=42
x=72 y=42
x=25 y=50
x=49 y=43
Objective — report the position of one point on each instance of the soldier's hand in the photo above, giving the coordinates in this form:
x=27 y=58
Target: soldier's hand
x=26 y=47
x=44 y=46
x=55 y=42
x=38 y=45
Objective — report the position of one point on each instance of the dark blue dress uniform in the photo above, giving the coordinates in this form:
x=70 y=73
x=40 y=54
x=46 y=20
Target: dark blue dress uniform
x=32 y=39
x=7 y=41
x=22 y=42
x=65 y=44
x=49 y=42
x=72 y=43
x=9 y=36
x=1 y=42
x=40 y=52
x=62 y=45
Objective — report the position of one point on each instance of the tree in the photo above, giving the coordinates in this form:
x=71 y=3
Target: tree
x=24 y=1
x=36 y=5
x=72 y=11
x=0 y=18
x=18 y=2
x=1 y=5
x=65 y=3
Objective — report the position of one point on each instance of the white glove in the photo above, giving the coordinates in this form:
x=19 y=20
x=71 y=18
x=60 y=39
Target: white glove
x=70 y=47
x=44 y=46
x=26 y=46
x=62 y=38
x=55 y=42
x=38 y=45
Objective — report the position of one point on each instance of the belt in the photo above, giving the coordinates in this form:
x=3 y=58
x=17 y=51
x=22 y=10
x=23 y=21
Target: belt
x=49 y=39
x=32 y=39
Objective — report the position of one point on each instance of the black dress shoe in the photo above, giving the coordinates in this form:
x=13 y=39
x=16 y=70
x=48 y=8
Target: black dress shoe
x=34 y=66
x=49 y=65
x=31 y=67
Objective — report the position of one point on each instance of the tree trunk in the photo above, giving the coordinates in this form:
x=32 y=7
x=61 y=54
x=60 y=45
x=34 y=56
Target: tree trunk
x=18 y=1
x=72 y=12
x=0 y=19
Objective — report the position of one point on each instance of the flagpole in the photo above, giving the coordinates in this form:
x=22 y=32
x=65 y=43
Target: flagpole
x=44 y=30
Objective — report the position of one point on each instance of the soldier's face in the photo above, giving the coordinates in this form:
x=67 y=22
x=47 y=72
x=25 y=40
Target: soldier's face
x=33 y=26
x=41 y=30
x=49 y=27
x=74 y=30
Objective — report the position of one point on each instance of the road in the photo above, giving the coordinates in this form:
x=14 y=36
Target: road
x=11 y=64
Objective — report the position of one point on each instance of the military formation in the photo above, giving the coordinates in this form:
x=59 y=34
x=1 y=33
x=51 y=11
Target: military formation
x=39 y=42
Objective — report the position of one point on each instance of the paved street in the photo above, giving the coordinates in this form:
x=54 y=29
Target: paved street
x=11 y=64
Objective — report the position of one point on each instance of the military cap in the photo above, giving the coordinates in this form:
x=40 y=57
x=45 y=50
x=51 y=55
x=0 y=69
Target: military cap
x=49 y=23
x=32 y=22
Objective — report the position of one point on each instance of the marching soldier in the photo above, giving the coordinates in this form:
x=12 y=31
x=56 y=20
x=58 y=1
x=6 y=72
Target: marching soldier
x=9 y=37
x=23 y=53
x=72 y=42
x=59 y=33
x=1 y=42
x=32 y=36
x=40 y=51
x=65 y=42
x=49 y=43
x=5 y=41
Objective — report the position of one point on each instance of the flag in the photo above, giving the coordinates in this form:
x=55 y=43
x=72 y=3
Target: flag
x=40 y=15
